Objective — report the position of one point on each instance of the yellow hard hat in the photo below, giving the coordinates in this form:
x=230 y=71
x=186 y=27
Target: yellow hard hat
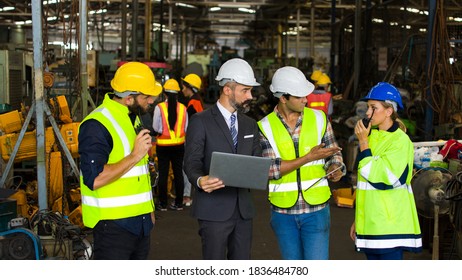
x=324 y=79
x=135 y=78
x=315 y=75
x=171 y=85
x=193 y=80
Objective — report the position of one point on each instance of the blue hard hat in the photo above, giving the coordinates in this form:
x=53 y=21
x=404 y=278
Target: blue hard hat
x=384 y=91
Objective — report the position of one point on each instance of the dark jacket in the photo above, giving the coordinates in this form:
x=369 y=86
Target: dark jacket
x=208 y=132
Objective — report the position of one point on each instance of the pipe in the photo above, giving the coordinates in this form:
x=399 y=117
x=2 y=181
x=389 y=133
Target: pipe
x=147 y=31
x=430 y=58
x=357 y=49
x=39 y=103
x=297 y=42
x=83 y=57
x=134 y=30
x=123 y=51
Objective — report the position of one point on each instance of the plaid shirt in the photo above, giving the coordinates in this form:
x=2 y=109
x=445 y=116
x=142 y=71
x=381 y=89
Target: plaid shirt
x=329 y=139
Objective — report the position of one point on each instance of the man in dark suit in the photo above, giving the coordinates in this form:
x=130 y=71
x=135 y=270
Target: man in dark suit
x=224 y=213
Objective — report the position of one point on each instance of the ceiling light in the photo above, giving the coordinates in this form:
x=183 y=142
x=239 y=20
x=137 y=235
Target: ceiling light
x=246 y=10
x=230 y=20
x=214 y=9
x=50 y=2
x=233 y=5
x=185 y=5
x=4 y=9
x=228 y=30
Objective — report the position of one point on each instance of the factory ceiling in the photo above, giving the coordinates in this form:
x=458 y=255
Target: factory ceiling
x=252 y=21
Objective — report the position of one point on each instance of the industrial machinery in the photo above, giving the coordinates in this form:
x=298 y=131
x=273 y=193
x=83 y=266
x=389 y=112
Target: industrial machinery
x=46 y=235
x=16 y=241
x=27 y=232
x=429 y=186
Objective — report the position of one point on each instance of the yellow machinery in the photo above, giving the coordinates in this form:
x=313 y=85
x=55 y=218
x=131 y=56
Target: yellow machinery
x=60 y=199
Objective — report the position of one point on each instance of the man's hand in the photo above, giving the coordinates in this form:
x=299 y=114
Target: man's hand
x=153 y=218
x=142 y=144
x=337 y=175
x=209 y=184
x=319 y=152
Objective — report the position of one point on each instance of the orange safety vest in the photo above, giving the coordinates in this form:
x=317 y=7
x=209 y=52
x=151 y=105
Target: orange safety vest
x=196 y=104
x=171 y=137
x=319 y=100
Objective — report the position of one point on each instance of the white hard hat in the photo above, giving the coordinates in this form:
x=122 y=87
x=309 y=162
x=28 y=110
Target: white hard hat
x=292 y=81
x=237 y=70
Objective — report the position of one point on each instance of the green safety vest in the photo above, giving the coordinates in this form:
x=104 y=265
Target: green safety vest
x=386 y=215
x=284 y=192
x=129 y=195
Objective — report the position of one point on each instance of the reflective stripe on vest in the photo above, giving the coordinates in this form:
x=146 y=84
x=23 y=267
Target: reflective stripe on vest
x=171 y=137
x=128 y=196
x=284 y=192
x=408 y=241
x=117 y=127
x=319 y=100
x=119 y=201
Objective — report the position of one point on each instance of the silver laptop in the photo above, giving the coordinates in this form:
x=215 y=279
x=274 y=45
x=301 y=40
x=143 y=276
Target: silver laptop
x=240 y=171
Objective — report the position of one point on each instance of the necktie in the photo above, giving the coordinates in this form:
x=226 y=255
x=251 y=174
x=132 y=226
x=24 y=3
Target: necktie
x=233 y=131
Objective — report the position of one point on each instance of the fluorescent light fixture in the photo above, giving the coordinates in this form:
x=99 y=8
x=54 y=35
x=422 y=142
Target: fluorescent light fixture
x=246 y=10
x=228 y=31
x=233 y=5
x=214 y=9
x=185 y=5
x=377 y=20
x=48 y=2
x=100 y=11
x=5 y=9
x=231 y=20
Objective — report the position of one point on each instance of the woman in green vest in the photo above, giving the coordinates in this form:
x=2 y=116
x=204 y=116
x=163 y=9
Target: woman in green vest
x=386 y=222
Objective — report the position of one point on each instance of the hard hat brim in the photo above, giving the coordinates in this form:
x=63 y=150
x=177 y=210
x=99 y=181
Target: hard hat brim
x=155 y=91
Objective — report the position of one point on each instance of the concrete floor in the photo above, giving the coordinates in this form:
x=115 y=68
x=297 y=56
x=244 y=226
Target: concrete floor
x=175 y=235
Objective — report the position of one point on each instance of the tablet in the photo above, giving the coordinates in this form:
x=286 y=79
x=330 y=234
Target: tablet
x=241 y=171
x=323 y=177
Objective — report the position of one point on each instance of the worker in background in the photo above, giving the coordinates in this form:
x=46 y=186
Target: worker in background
x=191 y=87
x=386 y=221
x=170 y=121
x=315 y=76
x=321 y=98
x=225 y=214
x=117 y=200
x=302 y=145
x=192 y=84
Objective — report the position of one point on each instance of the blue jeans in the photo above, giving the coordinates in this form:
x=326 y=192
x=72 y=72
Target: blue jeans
x=303 y=236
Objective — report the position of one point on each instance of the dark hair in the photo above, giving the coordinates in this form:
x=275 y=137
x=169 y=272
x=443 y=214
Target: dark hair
x=172 y=104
